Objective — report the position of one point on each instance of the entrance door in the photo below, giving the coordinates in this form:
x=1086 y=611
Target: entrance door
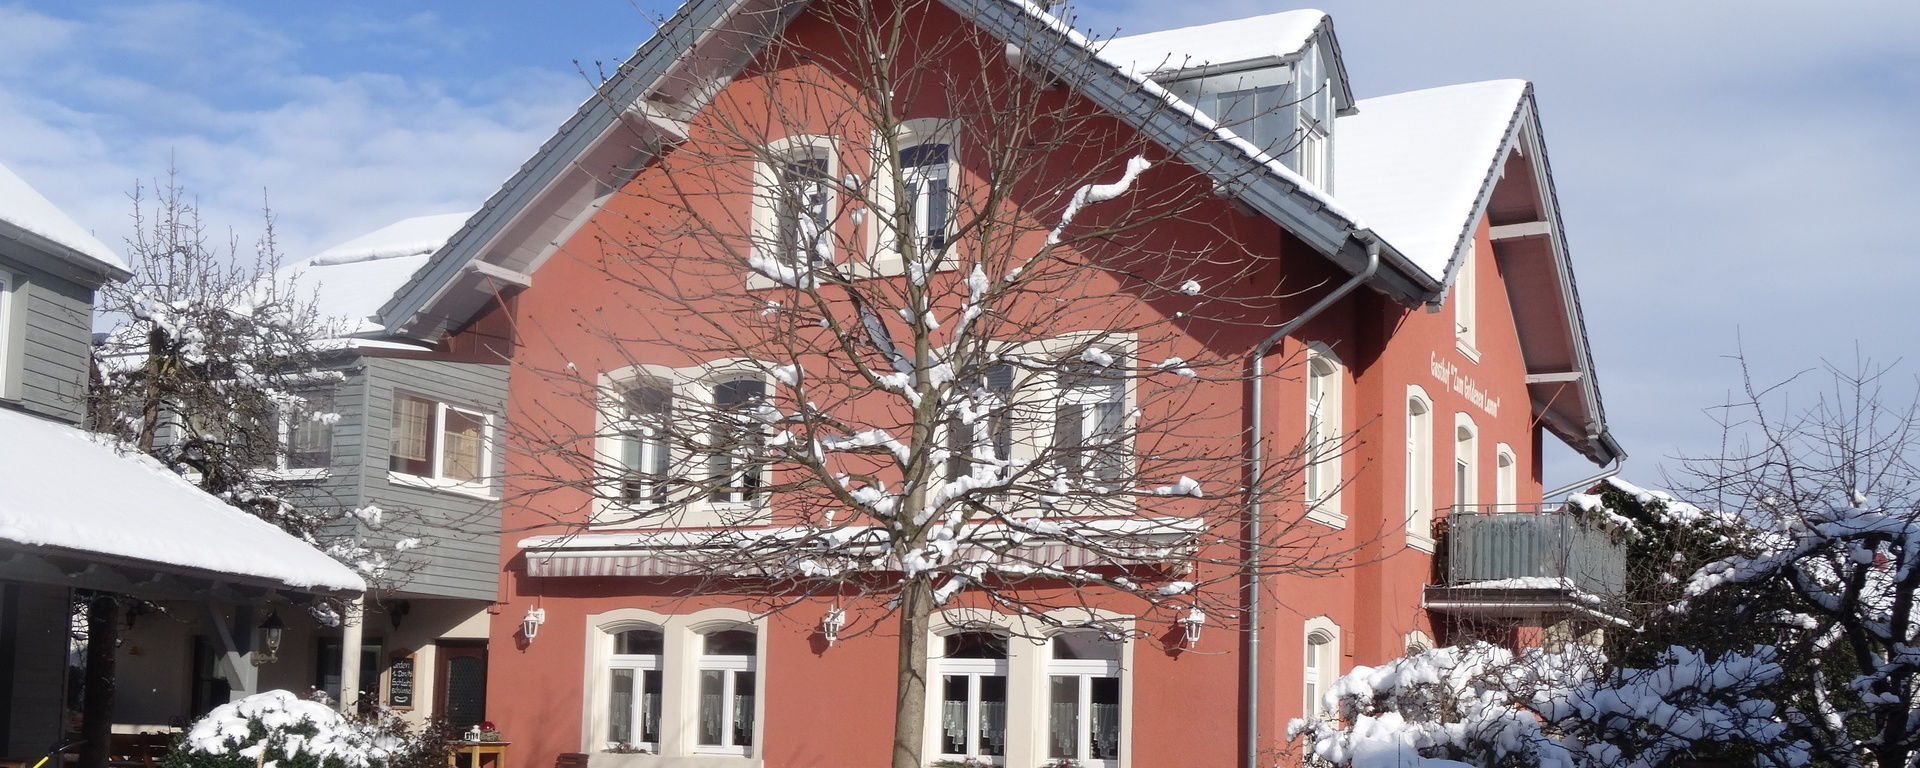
x=460 y=697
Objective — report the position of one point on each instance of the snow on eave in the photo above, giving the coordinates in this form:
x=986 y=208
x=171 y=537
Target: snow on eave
x=1229 y=46
x=68 y=491
x=1264 y=183
x=29 y=213
x=348 y=283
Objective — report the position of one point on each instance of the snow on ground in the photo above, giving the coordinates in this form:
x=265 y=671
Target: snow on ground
x=63 y=488
x=24 y=207
x=350 y=281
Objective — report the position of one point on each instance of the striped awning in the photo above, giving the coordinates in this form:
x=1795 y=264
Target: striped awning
x=574 y=562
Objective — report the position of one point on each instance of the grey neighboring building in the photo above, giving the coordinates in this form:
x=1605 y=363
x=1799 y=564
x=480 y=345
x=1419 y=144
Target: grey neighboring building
x=77 y=515
x=415 y=434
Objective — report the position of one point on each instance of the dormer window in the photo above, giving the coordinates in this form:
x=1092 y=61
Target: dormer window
x=1316 y=153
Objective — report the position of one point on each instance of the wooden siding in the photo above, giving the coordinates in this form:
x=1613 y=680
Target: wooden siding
x=461 y=552
x=49 y=329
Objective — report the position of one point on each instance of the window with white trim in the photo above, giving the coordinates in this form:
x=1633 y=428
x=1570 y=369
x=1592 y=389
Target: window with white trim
x=1506 y=477
x=635 y=685
x=1321 y=665
x=1324 y=431
x=640 y=433
x=1316 y=152
x=1419 y=467
x=926 y=175
x=983 y=442
x=1089 y=428
x=738 y=438
x=1466 y=301
x=1256 y=115
x=445 y=445
x=726 y=675
x=801 y=196
x=306 y=432
x=1084 y=699
x=973 y=695
x=1466 y=479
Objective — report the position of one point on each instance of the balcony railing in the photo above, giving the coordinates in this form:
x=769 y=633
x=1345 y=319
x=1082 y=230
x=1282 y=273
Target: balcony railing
x=1531 y=548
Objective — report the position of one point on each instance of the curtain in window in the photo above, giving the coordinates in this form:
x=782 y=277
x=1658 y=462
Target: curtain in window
x=463 y=451
x=993 y=727
x=743 y=709
x=1106 y=731
x=412 y=421
x=620 y=708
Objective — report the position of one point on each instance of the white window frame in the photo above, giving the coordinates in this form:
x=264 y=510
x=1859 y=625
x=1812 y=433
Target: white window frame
x=1028 y=727
x=765 y=239
x=729 y=666
x=1466 y=464
x=284 y=424
x=639 y=664
x=1085 y=671
x=1326 y=424
x=1315 y=151
x=683 y=635
x=1419 y=469
x=483 y=485
x=1466 y=303
x=691 y=387
x=881 y=241
x=973 y=670
x=1506 y=477
x=1320 y=665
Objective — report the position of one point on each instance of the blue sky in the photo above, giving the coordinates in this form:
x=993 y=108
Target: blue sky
x=1733 y=173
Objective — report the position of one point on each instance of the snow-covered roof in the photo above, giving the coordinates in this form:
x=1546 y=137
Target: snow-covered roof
x=1274 y=35
x=26 y=209
x=350 y=281
x=1414 y=165
x=64 y=490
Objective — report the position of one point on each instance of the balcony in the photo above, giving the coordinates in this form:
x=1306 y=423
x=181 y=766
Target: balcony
x=1524 y=561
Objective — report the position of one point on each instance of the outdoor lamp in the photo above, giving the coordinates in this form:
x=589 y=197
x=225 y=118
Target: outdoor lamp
x=530 y=626
x=270 y=632
x=1190 y=625
x=832 y=623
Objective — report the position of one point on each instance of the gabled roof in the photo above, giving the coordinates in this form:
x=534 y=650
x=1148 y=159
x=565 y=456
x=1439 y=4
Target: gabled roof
x=708 y=40
x=348 y=282
x=66 y=494
x=28 y=216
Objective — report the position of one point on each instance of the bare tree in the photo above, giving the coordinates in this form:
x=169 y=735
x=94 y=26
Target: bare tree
x=975 y=343
x=1822 y=502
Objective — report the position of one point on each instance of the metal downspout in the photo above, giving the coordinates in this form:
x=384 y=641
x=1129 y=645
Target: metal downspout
x=1255 y=470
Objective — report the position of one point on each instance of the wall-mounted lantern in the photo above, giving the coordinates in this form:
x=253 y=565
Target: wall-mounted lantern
x=530 y=626
x=1190 y=625
x=832 y=623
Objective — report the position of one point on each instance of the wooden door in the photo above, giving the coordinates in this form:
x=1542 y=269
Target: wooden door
x=460 y=693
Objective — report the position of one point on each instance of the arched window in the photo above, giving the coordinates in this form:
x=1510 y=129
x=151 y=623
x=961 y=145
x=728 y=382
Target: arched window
x=1506 y=477
x=973 y=701
x=1419 y=468
x=726 y=673
x=1321 y=667
x=1466 y=476
x=737 y=439
x=634 y=675
x=1324 y=426
x=646 y=406
x=1083 y=698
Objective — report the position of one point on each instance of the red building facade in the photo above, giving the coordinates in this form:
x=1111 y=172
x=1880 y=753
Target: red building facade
x=1408 y=246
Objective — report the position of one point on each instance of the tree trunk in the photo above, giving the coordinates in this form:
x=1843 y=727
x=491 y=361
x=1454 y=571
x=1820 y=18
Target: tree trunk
x=910 y=706
x=151 y=394
x=96 y=714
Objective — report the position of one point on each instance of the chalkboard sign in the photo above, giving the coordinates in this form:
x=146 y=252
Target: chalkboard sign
x=400 y=683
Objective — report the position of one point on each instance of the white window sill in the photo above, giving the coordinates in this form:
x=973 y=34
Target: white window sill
x=454 y=487
x=696 y=760
x=740 y=752
x=294 y=475
x=1327 y=517
x=1420 y=542
x=1466 y=349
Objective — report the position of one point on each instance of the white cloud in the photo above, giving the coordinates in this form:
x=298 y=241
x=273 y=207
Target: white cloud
x=217 y=93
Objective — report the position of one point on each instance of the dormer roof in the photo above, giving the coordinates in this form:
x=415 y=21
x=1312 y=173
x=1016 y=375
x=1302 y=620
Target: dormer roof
x=1235 y=45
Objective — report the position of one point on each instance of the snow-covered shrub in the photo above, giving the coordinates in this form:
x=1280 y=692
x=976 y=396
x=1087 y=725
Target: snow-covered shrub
x=1485 y=706
x=277 y=729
